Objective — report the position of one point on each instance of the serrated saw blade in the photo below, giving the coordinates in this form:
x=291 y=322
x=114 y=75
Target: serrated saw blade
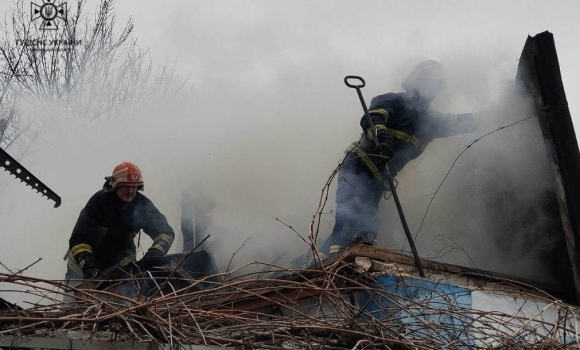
x=13 y=167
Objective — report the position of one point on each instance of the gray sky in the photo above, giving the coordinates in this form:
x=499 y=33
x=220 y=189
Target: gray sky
x=269 y=114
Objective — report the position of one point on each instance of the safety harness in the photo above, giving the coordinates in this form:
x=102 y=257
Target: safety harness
x=399 y=135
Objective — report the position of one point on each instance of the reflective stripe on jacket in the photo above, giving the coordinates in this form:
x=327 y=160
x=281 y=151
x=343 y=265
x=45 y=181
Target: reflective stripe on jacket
x=408 y=125
x=106 y=227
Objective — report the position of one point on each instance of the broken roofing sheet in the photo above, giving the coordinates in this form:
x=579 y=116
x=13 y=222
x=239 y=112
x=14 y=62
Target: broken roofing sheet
x=539 y=71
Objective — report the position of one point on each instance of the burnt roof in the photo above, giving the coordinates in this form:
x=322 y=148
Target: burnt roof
x=539 y=74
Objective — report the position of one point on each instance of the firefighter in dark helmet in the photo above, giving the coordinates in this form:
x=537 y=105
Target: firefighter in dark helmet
x=404 y=125
x=105 y=230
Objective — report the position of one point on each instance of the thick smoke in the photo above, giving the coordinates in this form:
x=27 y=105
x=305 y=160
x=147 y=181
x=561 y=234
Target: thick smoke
x=267 y=121
x=488 y=214
x=496 y=207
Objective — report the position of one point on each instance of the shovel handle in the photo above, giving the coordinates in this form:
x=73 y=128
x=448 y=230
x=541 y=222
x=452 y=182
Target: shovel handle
x=354 y=77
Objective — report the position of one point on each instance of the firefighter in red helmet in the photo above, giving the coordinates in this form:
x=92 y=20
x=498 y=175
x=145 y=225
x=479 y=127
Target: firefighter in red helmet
x=105 y=230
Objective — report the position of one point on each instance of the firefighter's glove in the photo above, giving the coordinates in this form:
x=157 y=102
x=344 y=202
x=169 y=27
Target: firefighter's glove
x=87 y=264
x=90 y=273
x=151 y=258
x=383 y=153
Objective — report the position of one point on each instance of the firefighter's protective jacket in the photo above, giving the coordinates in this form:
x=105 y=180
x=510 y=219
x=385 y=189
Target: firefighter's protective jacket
x=409 y=125
x=106 y=228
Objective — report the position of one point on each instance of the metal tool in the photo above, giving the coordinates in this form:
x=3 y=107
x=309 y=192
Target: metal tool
x=388 y=173
x=13 y=167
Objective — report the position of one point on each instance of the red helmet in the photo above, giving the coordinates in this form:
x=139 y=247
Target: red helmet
x=126 y=174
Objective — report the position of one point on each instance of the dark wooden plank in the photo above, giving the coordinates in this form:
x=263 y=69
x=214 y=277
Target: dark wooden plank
x=539 y=72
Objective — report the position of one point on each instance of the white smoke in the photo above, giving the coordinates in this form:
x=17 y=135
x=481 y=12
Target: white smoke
x=496 y=208
x=267 y=122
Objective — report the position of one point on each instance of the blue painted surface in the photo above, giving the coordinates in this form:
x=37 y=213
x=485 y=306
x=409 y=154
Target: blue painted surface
x=416 y=303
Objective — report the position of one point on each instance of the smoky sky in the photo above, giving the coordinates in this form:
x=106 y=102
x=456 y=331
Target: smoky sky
x=269 y=117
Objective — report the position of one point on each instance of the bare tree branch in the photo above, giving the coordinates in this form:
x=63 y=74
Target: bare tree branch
x=87 y=67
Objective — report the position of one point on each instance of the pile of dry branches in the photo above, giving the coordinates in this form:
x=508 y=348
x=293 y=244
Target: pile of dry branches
x=332 y=307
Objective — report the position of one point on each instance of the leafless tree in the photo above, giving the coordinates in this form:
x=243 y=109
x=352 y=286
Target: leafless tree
x=86 y=67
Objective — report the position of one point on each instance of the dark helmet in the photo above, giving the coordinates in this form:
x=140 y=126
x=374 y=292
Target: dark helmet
x=426 y=79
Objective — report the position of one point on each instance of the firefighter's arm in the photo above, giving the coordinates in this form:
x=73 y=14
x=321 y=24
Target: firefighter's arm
x=376 y=128
x=453 y=124
x=159 y=230
x=82 y=240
